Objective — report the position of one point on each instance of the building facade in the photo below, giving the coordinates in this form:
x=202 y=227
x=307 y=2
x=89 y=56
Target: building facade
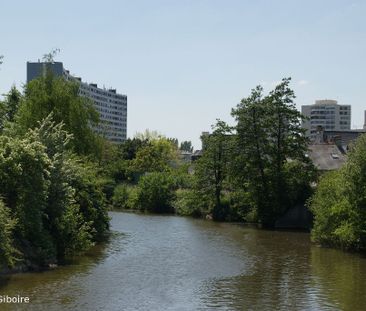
x=111 y=106
x=328 y=114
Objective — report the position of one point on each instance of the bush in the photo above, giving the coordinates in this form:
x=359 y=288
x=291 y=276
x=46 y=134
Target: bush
x=120 y=197
x=90 y=198
x=339 y=203
x=7 y=249
x=57 y=199
x=333 y=213
x=24 y=185
x=155 y=193
x=187 y=203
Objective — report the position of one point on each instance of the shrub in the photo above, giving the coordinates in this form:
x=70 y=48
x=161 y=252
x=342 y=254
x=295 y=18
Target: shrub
x=55 y=197
x=7 y=249
x=187 y=203
x=120 y=197
x=156 y=193
x=339 y=203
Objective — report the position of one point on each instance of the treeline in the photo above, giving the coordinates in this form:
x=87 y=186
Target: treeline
x=58 y=178
x=253 y=171
x=52 y=199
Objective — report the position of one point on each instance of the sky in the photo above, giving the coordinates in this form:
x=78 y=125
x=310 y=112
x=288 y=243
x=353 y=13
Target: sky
x=185 y=63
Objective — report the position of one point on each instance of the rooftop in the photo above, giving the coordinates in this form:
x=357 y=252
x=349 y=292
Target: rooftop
x=326 y=157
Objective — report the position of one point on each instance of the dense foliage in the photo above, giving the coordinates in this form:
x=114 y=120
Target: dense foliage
x=57 y=176
x=156 y=193
x=253 y=171
x=7 y=249
x=59 y=96
x=57 y=207
x=52 y=198
x=270 y=138
x=339 y=203
x=212 y=170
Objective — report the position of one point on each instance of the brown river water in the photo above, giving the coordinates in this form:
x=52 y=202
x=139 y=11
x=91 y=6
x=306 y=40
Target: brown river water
x=177 y=263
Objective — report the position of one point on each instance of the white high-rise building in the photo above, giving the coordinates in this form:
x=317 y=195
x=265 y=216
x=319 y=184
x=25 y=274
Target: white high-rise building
x=328 y=114
x=112 y=107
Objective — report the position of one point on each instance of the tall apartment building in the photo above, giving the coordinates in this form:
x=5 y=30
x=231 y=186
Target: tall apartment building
x=328 y=114
x=112 y=107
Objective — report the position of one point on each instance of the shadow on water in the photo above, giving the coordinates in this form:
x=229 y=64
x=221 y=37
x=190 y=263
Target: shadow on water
x=66 y=269
x=174 y=263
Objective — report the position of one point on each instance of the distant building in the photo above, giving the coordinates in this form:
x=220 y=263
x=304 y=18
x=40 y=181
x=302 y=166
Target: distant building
x=328 y=114
x=112 y=107
x=185 y=156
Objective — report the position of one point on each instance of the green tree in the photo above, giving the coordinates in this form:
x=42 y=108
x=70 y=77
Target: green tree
x=70 y=230
x=24 y=184
x=269 y=136
x=339 y=203
x=12 y=102
x=158 y=155
x=8 y=252
x=54 y=94
x=212 y=168
x=9 y=106
x=251 y=162
x=55 y=198
x=186 y=146
x=128 y=149
x=156 y=192
x=174 y=141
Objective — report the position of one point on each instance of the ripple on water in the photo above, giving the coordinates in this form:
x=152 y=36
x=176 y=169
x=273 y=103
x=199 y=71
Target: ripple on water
x=175 y=263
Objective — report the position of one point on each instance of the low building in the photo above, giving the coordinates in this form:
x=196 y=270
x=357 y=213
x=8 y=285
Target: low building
x=326 y=157
x=111 y=106
x=185 y=156
x=343 y=138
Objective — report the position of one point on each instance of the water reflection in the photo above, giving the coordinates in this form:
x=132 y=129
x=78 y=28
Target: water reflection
x=58 y=286
x=174 y=263
x=340 y=277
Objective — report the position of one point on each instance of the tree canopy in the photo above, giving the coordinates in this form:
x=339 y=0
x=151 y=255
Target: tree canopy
x=270 y=136
x=54 y=94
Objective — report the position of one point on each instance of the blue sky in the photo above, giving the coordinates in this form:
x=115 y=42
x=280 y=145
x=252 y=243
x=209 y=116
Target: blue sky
x=185 y=63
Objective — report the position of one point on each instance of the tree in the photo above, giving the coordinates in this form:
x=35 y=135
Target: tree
x=155 y=192
x=212 y=168
x=56 y=200
x=339 y=203
x=24 y=184
x=12 y=102
x=8 y=252
x=269 y=135
x=174 y=141
x=50 y=57
x=158 y=155
x=71 y=231
x=252 y=125
x=9 y=106
x=128 y=149
x=186 y=146
x=149 y=135
x=51 y=94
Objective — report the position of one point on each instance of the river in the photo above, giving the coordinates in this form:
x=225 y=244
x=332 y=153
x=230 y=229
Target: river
x=176 y=263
